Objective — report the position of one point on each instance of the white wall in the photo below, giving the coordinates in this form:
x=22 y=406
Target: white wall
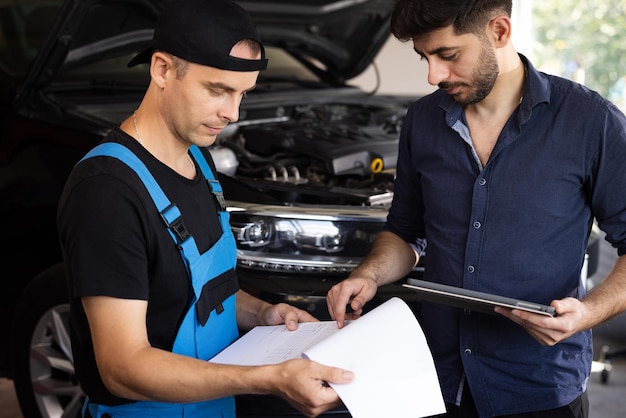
x=401 y=71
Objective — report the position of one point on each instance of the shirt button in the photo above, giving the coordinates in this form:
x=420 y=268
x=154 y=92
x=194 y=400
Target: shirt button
x=467 y=352
x=477 y=224
x=470 y=269
x=482 y=182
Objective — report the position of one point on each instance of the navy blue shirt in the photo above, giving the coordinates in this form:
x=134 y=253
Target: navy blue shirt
x=516 y=227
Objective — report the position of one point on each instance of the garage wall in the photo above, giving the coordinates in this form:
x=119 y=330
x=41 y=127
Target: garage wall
x=401 y=71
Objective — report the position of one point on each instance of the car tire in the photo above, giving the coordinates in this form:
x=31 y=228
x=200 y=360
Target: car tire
x=43 y=372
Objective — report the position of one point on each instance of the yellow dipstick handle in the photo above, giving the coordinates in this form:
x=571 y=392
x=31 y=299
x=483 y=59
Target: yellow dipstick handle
x=377 y=165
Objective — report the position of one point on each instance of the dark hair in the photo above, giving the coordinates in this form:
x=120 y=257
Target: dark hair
x=413 y=18
x=254 y=46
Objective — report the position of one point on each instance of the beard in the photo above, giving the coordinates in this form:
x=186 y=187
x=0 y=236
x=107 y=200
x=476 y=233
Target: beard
x=483 y=78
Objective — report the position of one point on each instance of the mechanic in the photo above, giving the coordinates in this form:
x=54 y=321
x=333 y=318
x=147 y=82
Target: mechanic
x=500 y=175
x=154 y=297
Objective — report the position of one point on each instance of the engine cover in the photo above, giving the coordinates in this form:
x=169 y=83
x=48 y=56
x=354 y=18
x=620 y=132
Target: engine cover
x=341 y=149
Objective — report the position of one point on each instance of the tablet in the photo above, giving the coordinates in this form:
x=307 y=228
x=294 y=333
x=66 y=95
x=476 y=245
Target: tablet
x=471 y=299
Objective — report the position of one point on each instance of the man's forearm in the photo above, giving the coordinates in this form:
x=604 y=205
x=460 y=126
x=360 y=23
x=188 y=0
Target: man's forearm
x=608 y=298
x=389 y=259
x=249 y=309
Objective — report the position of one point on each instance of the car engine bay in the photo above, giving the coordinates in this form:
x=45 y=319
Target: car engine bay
x=336 y=154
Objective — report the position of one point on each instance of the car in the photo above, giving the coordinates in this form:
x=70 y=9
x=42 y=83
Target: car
x=308 y=169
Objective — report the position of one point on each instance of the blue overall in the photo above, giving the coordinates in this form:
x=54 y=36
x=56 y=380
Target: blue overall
x=210 y=324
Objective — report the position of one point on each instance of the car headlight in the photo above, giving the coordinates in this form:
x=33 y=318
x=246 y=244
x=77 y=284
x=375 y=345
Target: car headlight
x=303 y=238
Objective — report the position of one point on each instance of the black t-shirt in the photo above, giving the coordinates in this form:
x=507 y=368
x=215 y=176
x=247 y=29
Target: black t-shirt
x=115 y=244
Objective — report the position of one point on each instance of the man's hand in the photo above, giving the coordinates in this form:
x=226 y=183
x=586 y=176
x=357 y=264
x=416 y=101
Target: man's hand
x=603 y=302
x=569 y=319
x=389 y=259
x=304 y=384
x=354 y=291
x=283 y=313
x=252 y=311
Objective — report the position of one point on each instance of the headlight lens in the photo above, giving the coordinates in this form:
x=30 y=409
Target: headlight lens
x=303 y=239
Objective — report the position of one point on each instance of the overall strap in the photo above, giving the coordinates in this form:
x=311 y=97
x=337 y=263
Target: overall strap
x=169 y=212
x=214 y=184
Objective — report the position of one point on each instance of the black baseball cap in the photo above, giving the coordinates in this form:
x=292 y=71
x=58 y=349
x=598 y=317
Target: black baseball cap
x=203 y=32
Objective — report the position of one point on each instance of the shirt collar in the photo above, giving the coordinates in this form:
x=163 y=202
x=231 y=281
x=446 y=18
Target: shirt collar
x=536 y=91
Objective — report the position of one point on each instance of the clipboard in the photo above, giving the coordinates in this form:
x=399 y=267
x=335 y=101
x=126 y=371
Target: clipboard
x=471 y=299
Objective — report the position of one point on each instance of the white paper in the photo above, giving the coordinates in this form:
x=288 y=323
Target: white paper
x=386 y=349
x=274 y=344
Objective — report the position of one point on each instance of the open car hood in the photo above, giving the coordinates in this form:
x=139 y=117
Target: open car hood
x=335 y=39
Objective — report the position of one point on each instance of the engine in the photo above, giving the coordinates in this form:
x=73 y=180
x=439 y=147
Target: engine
x=320 y=154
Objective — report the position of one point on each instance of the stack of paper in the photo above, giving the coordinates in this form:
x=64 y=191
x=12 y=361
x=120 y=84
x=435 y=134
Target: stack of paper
x=385 y=349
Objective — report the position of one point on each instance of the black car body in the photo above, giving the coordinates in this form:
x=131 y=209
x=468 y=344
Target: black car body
x=308 y=169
